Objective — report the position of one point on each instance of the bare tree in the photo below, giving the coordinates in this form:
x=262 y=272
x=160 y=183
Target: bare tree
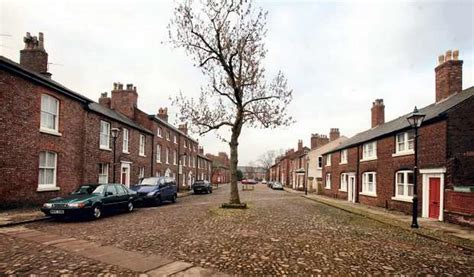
x=225 y=39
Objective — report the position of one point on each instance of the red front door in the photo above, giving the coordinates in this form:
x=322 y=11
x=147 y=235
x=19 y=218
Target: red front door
x=434 y=198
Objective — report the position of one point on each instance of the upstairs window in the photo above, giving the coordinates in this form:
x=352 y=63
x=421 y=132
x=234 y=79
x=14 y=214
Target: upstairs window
x=369 y=151
x=175 y=161
x=168 y=136
x=142 y=146
x=104 y=135
x=125 y=141
x=167 y=155
x=103 y=173
x=49 y=113
x=328 y=160
x=185 y=144
x=328 y=181
x=404 y=184
x=369 y=183
x=320 y=161
x=159 y=132
x=175 y=140
x=344 y=156
x=405 y=142
x=47 y=170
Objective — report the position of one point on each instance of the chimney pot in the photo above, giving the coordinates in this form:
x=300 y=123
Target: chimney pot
x=440 y=59
x=455 y=55
x=448 y=55
x=120 y=86
x=334 y=134
x=104 y=94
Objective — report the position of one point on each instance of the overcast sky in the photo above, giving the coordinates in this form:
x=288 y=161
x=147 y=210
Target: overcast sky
x=338 y=57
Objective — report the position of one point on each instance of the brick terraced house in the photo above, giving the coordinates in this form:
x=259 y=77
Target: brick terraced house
x=375 y=167
x=220 y=168
x=53 y=139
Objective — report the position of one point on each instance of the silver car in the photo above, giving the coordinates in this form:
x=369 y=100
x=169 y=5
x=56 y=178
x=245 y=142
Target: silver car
x=277 y=185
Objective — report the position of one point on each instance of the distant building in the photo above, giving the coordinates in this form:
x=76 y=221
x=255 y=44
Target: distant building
x=220 y=171
x=253 y=172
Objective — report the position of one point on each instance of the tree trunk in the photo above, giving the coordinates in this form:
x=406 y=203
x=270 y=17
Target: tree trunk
x=234 y=144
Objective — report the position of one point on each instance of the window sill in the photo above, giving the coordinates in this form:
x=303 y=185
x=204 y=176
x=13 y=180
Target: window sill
x=403 y=199
x=368 y=159
x=327 y=187
x=406 y=153
x=47 y=189
x=158 y=162
x=368 y=194
x=50 y=132
x=343 y=190
x=104 y=148
x=142 y=155
x=343 y=163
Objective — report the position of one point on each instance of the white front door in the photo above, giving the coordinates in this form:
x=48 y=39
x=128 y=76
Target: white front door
x=125 y=174
x=351 y=188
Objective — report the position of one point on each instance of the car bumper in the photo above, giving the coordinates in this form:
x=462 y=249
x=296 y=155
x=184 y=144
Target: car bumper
x=200 y=188
x=67 y=211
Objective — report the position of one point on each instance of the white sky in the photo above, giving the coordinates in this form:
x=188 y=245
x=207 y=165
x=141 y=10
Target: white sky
x=338 y=56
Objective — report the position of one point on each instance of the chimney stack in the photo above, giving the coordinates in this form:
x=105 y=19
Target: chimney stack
x=163 y=114
x=448 y=75
x=104 y=100
x=183 y=128
x=34 y=56
x=334 y=134
x=201 y=150
x=378 y=113
x=318 y=140
x=300 y=144
x=124 y=100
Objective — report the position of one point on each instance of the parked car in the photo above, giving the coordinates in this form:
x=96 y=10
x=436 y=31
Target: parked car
x=91 y=200
x=156 y=190
x=277 y=185
x=269 y=184
x=264 y=182
x=249 y=182
x=200 y=186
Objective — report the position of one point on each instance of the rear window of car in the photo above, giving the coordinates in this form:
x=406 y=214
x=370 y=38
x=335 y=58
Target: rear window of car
x=122 y=189
x=151 y=181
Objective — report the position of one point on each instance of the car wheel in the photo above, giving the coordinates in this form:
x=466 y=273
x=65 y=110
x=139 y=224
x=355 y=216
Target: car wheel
x=130 y=207
x=158 y=201
x=97 y=212
x=210 y=190
x=174 y=198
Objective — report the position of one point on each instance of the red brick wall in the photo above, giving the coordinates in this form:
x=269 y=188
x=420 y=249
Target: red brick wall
x=448 y=79
x=459 y=207
x=21 y=141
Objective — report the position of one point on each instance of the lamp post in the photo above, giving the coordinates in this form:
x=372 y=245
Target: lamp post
x=415 y=120
x=180 y=168
x=115 y=133
x=307 y=175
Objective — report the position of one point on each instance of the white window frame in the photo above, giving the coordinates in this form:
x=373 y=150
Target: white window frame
x=328 y=160
x=368 y=155
x=343 y=156
x=141 y=149
x=320 y=162
x=126 y=138
x=103 y=173
x=55 y=114
x=405 y=196
x=46 y=167
x=168 y=135
x=141 y=172
x=167 y=155
x=403 y=143
x=175 y=159
x=159 y=132
x=327 y=184
x=344 y=181
x=104 y=136
x=158 y=153
x=366 y=184
x=175 y=139
x=185 y=143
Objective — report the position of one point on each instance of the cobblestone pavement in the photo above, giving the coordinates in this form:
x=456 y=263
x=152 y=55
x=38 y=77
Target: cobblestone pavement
x=281 y=233
x=20 y=257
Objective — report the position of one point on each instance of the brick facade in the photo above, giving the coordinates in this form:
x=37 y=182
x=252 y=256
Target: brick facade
x=76 y=143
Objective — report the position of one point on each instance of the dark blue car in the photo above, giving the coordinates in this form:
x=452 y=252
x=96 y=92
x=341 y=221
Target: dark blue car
x=156 y=190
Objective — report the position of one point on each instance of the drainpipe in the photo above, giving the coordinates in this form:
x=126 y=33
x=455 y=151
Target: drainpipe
x=153 y=147
x=357 y=176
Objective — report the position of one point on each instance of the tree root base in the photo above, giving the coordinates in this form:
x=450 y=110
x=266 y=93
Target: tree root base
x=234 y=206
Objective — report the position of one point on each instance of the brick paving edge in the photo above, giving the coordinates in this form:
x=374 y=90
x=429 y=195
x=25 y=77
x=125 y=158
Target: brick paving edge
x=11 y=224
x=456 y=241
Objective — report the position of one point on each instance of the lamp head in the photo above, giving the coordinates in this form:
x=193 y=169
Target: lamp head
x=416 y=118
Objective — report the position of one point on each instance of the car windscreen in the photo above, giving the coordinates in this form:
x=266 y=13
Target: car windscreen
x=85 y=189
x=151 y=181
x=99 y=190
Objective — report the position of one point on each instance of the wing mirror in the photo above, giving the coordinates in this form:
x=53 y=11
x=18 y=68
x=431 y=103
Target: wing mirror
x=108 y=193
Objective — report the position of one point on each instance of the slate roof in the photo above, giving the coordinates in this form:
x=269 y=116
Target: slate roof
x=164 y=122
x=433 y=112
x=116 y=116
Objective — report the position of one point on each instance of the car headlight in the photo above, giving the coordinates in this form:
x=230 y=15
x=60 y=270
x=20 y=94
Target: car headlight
x=76 y=205
x=47 y=205
x=151 y=193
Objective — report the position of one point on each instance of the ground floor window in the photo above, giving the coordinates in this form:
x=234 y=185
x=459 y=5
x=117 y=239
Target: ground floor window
x=141 y=173
x=369 y=183
x=47 y=169
x=344 y=182
x=404 y=184
x=103 y=173
x=328 y=181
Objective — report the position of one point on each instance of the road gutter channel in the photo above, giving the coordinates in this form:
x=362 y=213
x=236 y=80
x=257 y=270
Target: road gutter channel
x=423 y=232
x=152 y=265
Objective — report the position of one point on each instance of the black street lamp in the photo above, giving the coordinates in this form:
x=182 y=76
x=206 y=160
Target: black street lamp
x=415 y=120
x=180 y=168
x=115 y=133
x=306 y=174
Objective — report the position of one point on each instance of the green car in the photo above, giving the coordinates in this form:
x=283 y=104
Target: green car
x=91 y=200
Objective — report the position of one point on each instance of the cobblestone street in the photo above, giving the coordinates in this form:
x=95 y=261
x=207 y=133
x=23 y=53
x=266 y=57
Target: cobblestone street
x=281 y=233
